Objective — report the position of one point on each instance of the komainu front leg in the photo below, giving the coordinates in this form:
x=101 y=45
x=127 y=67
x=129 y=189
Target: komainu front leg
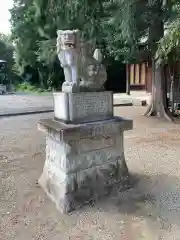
x=69 y=85
x=68 y=76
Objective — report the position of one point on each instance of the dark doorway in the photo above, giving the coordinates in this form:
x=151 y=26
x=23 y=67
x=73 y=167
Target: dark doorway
x=116 y=80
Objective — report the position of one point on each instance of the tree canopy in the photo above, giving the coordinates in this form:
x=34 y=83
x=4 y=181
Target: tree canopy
x=169 y=45
x=127 y=30
x=6 y=50
x=34 y=26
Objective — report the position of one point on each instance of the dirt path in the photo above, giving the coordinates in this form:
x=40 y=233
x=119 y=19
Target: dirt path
x=149 y=211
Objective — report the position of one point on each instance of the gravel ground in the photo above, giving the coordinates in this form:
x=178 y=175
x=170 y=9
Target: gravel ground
x=20 y=103
x=23 y=103
x=150 y=210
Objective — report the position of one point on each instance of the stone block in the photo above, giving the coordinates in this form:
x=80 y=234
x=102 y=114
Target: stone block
x=83 y=162
x=72 y=190
x=69 y=160
x=83 y=106
x=139 y=102
x=70 y=132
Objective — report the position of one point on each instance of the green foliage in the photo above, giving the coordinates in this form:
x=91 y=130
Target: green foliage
x=169 y=45
x=24 y=34
x=34 y=26
x=6 y=50
x=118 y=27
x=28 y=88
x=145 y=19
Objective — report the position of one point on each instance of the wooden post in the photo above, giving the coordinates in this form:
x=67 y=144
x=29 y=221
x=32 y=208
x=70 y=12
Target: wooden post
x=127 y=79
x=140 y=73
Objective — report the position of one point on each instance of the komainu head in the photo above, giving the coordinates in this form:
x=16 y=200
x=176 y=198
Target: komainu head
x=68 y=39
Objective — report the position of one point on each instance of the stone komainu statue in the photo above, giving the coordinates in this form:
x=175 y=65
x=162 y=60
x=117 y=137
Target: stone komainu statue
x=82 y=69
x=68 y=51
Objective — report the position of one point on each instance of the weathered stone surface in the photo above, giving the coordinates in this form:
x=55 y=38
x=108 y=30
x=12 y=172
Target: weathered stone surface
x=70 y=88
x=72 y=190
x=69 y=160
x=61 y=106
x=92 y=143
x=79 y=63
x=70 y=132
x=68 y=51
x=83 y=162
x=83 y=107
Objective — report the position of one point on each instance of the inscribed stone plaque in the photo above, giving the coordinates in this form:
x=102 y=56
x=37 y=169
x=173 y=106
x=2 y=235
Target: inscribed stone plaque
x=91 y=106
x=83 y=107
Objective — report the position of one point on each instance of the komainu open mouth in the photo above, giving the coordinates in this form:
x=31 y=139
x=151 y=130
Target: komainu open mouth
x=69 y=44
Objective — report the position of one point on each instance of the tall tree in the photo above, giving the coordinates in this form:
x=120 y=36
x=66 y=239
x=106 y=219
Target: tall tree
x=117 y=26
x=158 y=105
x=34 y=26
x=24 y=34
x=147 y=19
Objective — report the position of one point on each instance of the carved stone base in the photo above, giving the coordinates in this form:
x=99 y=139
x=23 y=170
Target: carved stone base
x=70 y=88
x=84 y=162
x=90 y=87
x=83 y=107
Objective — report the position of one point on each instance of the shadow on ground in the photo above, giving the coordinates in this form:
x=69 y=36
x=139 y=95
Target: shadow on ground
x=155 y=198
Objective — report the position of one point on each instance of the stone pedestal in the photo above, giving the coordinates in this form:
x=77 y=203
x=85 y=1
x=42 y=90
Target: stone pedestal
x=83 y=161
x=83 y=107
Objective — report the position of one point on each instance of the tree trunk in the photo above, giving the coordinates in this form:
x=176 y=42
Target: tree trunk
x=159 y=105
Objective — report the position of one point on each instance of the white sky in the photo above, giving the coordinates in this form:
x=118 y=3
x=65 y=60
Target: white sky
x=5 y=15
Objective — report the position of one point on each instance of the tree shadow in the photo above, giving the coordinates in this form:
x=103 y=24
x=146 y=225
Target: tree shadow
x=155 y=198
